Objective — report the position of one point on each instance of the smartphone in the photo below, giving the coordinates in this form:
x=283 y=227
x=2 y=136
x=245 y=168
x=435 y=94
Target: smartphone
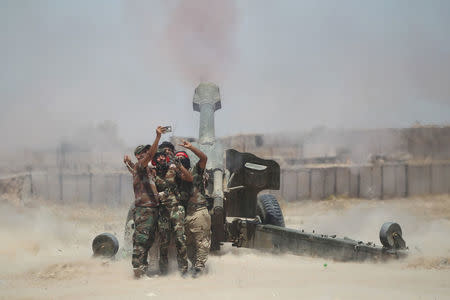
x=167 y=129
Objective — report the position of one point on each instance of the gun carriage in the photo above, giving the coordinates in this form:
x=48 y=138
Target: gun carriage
x=245 y=217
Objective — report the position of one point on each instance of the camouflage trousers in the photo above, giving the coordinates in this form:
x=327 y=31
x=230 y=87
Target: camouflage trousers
x=145 y=225
x=171 y=220
x=198 y=236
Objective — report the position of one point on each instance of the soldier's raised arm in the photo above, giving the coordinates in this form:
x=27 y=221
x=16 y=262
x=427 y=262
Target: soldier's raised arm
x=129 y=164
x=150 y=153
x=184 y=173
x=202 y=156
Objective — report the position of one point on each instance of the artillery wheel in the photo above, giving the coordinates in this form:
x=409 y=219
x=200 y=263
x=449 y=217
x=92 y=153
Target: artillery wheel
x=105 y=244
x=268 y=209
x=387 y=232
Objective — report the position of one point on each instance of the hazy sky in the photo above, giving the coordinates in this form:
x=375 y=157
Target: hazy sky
x=281 y=65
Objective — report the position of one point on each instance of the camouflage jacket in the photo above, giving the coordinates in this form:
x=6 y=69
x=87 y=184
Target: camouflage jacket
x=185 y=191
x=145 y=193
x=197 y=195
x=167 y=185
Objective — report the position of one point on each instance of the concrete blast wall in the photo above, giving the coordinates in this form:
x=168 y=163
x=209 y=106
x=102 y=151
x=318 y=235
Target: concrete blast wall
x=366 y=181
x=94 y=188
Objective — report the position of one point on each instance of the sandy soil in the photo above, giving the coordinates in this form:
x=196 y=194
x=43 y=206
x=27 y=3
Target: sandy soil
x=45 y=253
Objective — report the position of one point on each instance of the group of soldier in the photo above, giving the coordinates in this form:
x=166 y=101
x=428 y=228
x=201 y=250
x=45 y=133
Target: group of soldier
x=169 y=200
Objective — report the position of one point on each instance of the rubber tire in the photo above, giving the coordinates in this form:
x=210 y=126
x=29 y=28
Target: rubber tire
x=268 y=209
x=105 y=245
x=386 y=232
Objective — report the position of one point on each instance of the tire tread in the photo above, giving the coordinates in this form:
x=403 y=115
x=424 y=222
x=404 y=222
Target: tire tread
x=269 y=210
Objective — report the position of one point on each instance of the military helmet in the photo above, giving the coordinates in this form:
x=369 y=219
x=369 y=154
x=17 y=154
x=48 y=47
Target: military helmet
x=139 y=149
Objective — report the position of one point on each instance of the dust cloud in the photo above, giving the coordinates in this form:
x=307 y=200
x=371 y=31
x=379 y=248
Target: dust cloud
x=199 y=39
x=291 y=66
x=46 y=254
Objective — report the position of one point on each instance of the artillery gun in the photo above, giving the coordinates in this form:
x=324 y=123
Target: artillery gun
x=240 y=214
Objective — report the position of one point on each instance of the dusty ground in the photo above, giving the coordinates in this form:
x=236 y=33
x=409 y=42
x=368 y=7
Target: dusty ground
x=45 y=253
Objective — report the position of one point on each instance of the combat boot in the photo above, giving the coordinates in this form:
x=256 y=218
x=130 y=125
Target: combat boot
x=197 y=272
x=138 y=273
x=184 y=274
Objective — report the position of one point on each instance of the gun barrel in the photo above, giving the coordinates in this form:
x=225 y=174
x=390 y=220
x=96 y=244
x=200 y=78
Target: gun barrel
x=206 y=101
x=206 y=128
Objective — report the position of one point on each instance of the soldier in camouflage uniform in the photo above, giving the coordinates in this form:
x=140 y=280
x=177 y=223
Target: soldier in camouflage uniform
x=146 y=202
x=198 y=219
x=171 y=212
